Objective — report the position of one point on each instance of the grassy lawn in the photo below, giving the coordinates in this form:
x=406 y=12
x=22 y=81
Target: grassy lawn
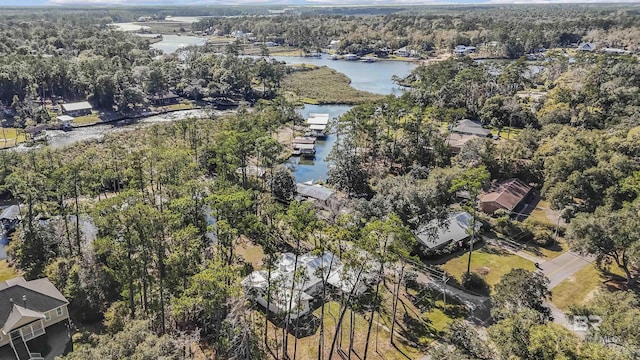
x=489 y=261
x=505 y=134
x=415 y=329
x=548 y=252
x=579 y=288
x=325 y=86
x=12 y=137
x=285 y=51
x=307 y=348
x=6 y=272
x=87 y=119
x=178 y=106
x=252 y=254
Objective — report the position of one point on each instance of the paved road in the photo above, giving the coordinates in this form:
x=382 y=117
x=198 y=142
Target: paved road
x=563 y=267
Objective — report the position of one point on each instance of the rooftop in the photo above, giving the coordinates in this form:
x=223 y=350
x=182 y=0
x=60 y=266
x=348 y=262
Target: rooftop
x=508 y=193
x=470 y=127
x=83 y=105
x=10 y=213
x=40 y=295
x=455 y=228
x=317 y=192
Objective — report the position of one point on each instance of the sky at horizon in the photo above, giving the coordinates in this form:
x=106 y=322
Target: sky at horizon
x=284 y=2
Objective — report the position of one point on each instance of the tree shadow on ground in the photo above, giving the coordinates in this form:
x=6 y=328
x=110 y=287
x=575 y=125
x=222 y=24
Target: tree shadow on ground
x=304 y=326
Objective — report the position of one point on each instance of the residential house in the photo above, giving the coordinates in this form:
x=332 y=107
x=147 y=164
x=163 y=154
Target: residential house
x=163 y=99
x=297 y=283
x=462 y=50
x=509 y=195
x=468 y=127
x=34 y=319
x=456 y=228
x=586 y=47
x=10 y=217
x=77 y=108
x=405 y=52
x=317 y=193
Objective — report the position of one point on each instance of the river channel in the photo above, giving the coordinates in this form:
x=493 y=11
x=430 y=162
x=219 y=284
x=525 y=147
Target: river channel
x=372 y=77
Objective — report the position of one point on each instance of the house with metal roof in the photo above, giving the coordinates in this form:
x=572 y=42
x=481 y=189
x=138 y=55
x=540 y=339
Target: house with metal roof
x=315 y=192
x=508 y=195
x=456 y=228
x=77 y=108
x=586 y=47
x=469 y=127
x=34 y=319
x=296 y=283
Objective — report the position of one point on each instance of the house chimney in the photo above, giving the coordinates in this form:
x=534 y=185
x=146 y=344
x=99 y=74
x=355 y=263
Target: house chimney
x=24 y=300
x=11 y=301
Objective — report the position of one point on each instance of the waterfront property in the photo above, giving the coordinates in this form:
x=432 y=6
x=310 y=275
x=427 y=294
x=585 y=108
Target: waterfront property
x=316 y=193
x=34 y=320
x=456 y=229
x=507 y=194
x=163 y=99
x=77 y=108
x=308 y=150
x=66 y=121
x=297 y=283
x=405 y=52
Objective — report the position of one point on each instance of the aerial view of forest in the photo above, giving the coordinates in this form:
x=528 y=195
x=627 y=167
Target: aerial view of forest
x=319 y=182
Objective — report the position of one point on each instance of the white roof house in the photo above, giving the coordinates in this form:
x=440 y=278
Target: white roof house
x=317 y=127
x=456 y=228
x=292 y=293
x=65 y=118
x=77 y=106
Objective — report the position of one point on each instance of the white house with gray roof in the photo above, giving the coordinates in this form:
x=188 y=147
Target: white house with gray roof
x=31 y=310
x=295 y=284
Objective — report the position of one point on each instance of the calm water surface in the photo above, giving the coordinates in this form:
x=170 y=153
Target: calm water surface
x=305 y=169
x=373 y=77
x=171 y=43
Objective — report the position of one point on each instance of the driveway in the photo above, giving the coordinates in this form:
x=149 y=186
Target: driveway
x=563 y=267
